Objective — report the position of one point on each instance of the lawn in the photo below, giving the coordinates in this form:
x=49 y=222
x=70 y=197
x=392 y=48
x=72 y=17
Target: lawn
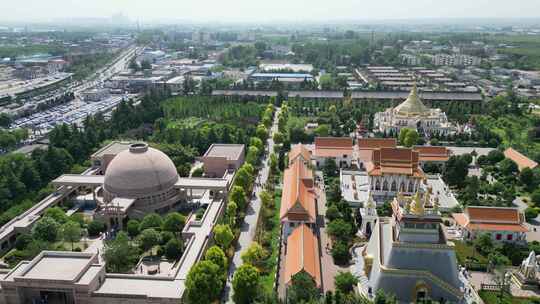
x=513 y=131
x=267 y=281
x=492 y=297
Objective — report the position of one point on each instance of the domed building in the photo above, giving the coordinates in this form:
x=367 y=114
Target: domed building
x=138 y=181
x=413 y=114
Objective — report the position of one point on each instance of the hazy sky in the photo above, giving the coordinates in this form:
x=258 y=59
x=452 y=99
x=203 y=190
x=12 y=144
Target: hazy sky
x=266 y=10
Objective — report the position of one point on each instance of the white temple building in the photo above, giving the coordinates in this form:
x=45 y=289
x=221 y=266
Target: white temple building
x=413 y=114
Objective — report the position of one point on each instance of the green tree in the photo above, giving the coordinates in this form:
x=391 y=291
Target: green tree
x=495 y=156
x=174 y=222
x=261 y=132
x=22 y=241
x=238 y=196
x=252 y=156
x=151 y=220
x=302 y=289
x=330 y=167
x=120 y=256
x=57 y=214
x=278 y=138
x=256 y=142
x=531 y=213
x=174 y=249
x=339 y=229
x=535 y=197
x=223 y=236
x=322 y=130
x=231 y=213
x=508 y=166
x=197 y=172
x=408 y=137
x=243 y=178
x=95 y=227
x=483 y=243
x=382 y=298
x=245 y=284
x=526 y=177
x=456 y=170
x=133 y=228
x=149 y=238
x=46 y=229
x=204 y=283
x=332 y=213
x=340 y=253
x=254 y=255
x=71 y=232
x=267 y=199
x=345 y=282
x=215 y=255
x=496 y=259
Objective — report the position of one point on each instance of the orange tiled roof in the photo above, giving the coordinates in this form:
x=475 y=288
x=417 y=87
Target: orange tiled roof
x=521 y=160
x=376 y=143
x=497 y=227
x=333 y=142
x=298 y=196
x=493 y=214
x=395 y=161
x=326 y=152
x=302 y=254
x=299 y=150
x=490 y=219
x=432 y=153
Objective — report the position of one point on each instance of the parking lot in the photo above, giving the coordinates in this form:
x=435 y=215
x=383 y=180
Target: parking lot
x=69 y=113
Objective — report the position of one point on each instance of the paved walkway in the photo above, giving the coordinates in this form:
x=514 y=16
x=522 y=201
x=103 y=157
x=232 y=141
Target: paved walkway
x=329 y=269
x=252 y=215
x=533 y=225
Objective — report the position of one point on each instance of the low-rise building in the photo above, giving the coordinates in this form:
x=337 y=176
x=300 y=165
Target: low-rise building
x=502 y=224
x=222 y=158
x=366 y=146
x=95 y=94
x=302 y=255
x=435 y=155
x=456 y=60
x=298 y=199
x=393 y=170
x=340 y=149
x=521 y=160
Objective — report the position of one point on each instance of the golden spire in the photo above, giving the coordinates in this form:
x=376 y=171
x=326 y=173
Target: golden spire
x=417 y=206
x=370 y=204
x=400 y=197
x=436 y=204
x=427 y=197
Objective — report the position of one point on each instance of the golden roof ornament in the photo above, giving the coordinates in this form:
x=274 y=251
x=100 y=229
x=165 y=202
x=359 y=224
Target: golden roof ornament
x=413 y=104
x=417 y=206
x=400 y=197
x=370 y=204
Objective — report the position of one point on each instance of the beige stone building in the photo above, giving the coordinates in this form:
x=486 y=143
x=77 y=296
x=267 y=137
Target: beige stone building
x=222 y=158
x=137 y=180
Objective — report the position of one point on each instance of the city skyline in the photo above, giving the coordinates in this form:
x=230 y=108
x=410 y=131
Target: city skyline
x=249 y=11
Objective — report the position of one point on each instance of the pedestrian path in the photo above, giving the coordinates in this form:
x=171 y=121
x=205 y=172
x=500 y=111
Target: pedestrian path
x=249 y=225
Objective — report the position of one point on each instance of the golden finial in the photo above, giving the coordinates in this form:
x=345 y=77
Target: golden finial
x=417 y=206
x=370 y=204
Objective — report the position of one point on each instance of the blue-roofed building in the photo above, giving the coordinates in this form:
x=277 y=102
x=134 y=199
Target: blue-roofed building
x=409 y=256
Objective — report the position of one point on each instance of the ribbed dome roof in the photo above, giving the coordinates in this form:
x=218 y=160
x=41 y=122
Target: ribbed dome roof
x=140 y=171
x=412 y=105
